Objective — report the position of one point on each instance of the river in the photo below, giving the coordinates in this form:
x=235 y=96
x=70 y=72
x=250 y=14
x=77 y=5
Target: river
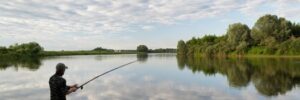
x=155 y=77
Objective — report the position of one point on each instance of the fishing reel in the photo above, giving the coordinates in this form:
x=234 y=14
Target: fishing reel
x=81 y=87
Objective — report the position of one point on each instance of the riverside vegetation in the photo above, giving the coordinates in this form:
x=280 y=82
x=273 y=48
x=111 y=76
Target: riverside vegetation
x=33 y=49
x=270 y=35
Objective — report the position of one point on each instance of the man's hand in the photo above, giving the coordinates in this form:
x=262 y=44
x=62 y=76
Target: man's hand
x=75 y=85
x=73 y=89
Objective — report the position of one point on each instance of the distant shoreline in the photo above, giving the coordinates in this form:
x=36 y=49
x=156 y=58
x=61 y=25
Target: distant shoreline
x=71 y=53
x=33 y=49
x=64 y=53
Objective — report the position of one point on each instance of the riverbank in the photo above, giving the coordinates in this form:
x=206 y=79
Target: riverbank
x=82 y=52
x=273 y=56
x=245 y=56
x=64 y=53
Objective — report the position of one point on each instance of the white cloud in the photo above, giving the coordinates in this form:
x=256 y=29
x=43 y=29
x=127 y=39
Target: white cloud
x=281 y=8
x=54 y=20
x=117 y=87
x=147 y=27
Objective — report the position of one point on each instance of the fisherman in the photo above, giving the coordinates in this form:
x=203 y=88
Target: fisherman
x=58 y=87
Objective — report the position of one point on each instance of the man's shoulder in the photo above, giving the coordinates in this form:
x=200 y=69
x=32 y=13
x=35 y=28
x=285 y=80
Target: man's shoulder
x=56 y=78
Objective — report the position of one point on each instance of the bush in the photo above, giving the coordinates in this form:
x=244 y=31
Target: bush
x=142 y=48
x=28 y=49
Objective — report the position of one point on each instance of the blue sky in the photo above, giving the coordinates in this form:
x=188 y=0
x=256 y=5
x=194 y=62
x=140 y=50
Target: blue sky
x=124 y=24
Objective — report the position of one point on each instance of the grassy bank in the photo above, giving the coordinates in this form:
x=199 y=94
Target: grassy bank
x=244 y=56
x=63 y=53
x=274 y=56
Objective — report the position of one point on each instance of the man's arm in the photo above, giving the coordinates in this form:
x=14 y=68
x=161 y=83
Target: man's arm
x=67 y=89
x=71 y=89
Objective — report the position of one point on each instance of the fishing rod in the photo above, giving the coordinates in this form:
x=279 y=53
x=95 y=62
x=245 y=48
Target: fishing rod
x=81 y=86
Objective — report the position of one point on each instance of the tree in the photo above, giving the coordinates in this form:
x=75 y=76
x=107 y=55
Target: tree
x=296 y=30
x=289 y=47
x=30 y=49
x=271 y=26
x=238 y=33
x=269 y=35
x=99 y=49
x=3 y=50
x=142 y=48
x=181 y=48
x=102 y=49
x=209 y=39
x=34 y=48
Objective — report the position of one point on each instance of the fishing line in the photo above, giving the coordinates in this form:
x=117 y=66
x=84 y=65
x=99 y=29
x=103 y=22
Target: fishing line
x=81 y=86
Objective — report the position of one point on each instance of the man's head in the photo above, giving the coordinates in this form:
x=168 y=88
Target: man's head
x=60 y=69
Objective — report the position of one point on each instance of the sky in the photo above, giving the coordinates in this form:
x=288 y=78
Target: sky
x=125 y=24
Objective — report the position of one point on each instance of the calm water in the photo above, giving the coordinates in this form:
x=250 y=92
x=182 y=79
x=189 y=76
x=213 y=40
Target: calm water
x=155 y=77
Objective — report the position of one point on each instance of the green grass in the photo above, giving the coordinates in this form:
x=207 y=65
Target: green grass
x=249 y=55
x=62 y=53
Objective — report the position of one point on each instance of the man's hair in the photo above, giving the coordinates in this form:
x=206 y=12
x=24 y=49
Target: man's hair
x=60 y=69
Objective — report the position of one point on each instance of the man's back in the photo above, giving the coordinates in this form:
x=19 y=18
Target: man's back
x=58 y=88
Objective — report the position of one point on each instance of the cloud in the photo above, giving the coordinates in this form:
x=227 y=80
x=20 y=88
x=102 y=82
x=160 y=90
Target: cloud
x=282 y=8
x=117 y=87
x=95 y=22
x=147 y=27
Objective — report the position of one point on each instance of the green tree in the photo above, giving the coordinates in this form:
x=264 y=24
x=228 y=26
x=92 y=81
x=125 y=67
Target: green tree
x=238 y=33
x=271 y=26
x=209 y=39
x=142 y=48
x=289 y=47
x=269 y=35
x=30 y=49
x=296 y=30
x=99 y=49
x=3 y=50
x=181 y=48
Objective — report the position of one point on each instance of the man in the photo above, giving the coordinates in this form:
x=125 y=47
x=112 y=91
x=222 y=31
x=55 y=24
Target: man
x=58 y=87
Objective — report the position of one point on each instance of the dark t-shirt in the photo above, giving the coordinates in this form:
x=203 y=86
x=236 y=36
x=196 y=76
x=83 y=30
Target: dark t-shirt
x=58 y=88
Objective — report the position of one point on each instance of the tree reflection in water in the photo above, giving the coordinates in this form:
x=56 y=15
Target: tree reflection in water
x=31 y=63
x=142 y=57
x=270 y=76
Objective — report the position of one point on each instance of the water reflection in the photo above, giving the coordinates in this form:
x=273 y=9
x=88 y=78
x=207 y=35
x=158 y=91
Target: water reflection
x=158 y=77
x=31 y=63
x=142 y=57
x=270 y=76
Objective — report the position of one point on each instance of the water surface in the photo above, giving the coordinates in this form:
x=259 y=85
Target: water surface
x=155 y=77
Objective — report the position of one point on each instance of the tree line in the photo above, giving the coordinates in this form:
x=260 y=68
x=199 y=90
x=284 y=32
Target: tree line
x=25 y=49
x=144 y=49
x=33 y=49
x=270 y=35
